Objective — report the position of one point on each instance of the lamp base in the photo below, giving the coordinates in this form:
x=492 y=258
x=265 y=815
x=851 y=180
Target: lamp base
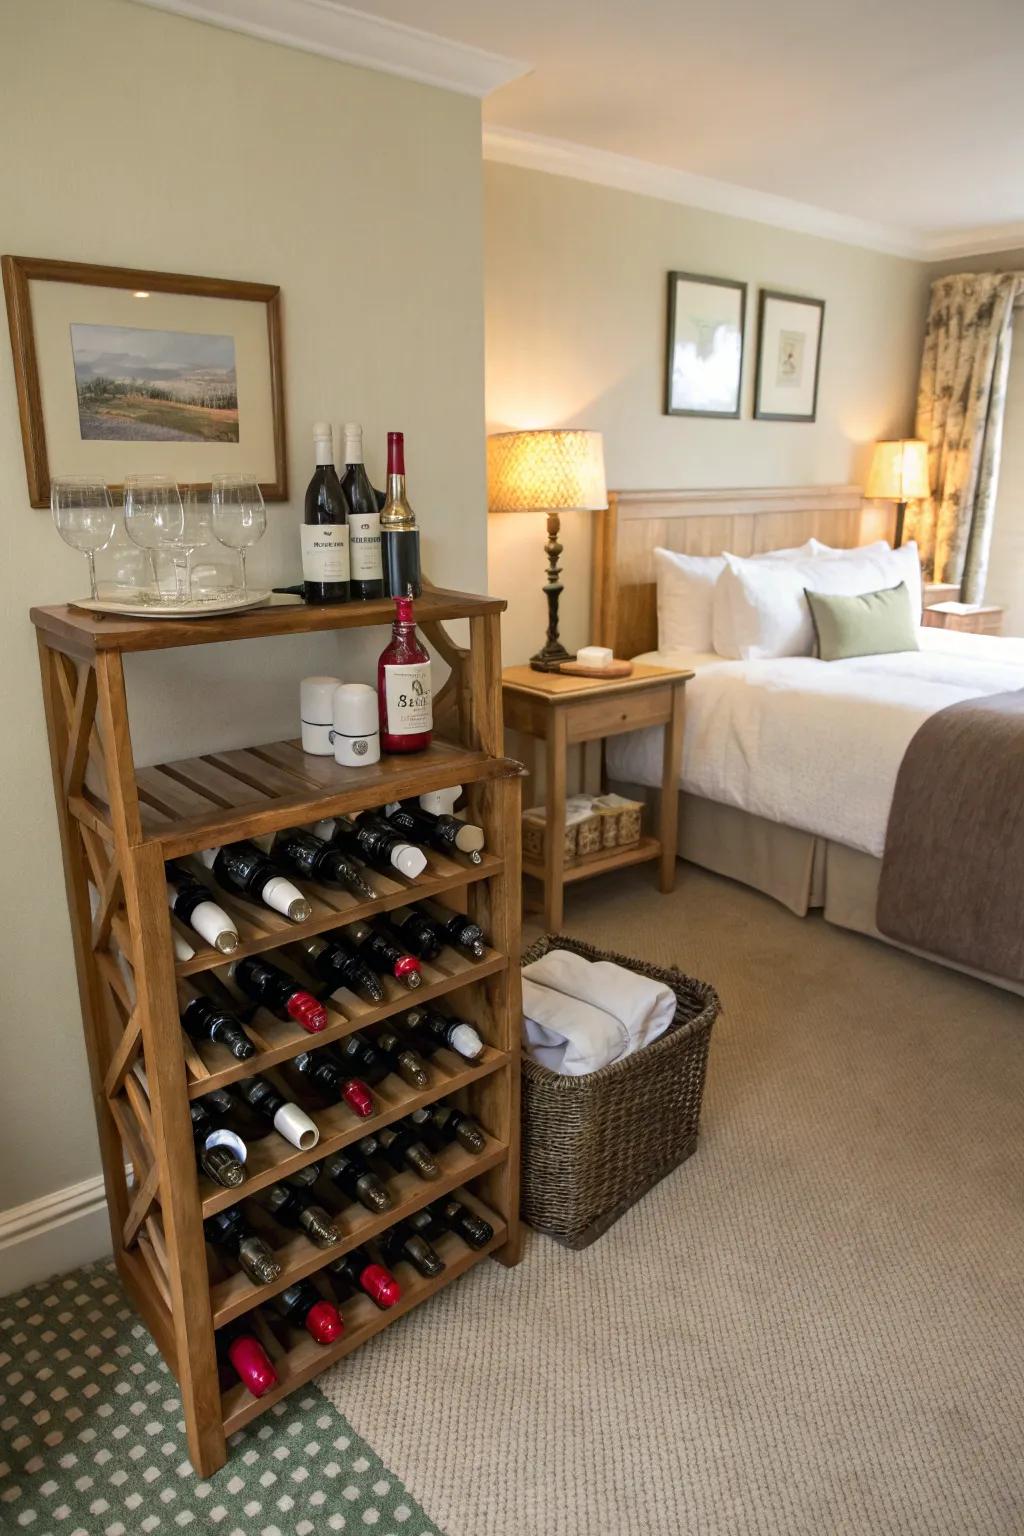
x=550 y=658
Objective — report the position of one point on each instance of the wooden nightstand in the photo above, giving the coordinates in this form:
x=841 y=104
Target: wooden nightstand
x=976 y=618
x=563 y=711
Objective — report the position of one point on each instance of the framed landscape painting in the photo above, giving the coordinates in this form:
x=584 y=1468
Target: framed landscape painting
x=789 y=333
x=704 y=365
x=128 y=372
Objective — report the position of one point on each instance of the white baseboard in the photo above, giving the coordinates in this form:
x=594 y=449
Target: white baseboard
x=53 y=1234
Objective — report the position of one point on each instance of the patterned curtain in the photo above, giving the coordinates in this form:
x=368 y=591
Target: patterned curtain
x=960 y=408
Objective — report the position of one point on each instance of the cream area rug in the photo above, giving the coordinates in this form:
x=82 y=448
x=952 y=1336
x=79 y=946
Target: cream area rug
x=815 y=1327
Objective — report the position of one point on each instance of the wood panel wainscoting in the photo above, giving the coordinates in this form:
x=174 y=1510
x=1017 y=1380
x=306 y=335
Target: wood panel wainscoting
x=624 y=608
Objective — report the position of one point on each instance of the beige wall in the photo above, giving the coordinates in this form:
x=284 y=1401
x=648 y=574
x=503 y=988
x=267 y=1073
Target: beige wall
x=575 y=326
x=140 y=139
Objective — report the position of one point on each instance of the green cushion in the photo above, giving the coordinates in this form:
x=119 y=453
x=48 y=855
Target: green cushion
x=869 y=625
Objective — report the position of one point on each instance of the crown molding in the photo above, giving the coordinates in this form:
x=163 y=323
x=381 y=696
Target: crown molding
x=338 y=32
x=948 y=245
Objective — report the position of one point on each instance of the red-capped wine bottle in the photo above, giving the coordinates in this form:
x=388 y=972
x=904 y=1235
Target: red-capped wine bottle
x=192 y=903
x=399 y=535
x=385 y=957
x=457 y=928
x=325 y=531
x=228 y=1230
x=359 y=1274
x=404 y=696
x=401 y=1242
x=446 y=834
x=336 y=964
x=376 y=842
x=401 y=1147
x=458 y=1218
x=311 y=857
x=302 y=1306
x=203 y=1019
x=244 y=1357
x=294 y=1207
x=278 y=992
x=363 y=519
x=244 y=868
x=220 y=1152
x=288 y=1119
x=432 y=1029
x=441 y=1124
x=329 y=1078
x=358 y=1181
x=401 y=1058
x=418 y=932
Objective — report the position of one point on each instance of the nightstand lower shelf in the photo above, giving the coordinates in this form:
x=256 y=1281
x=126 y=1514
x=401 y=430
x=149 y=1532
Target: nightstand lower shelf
x=643 y=852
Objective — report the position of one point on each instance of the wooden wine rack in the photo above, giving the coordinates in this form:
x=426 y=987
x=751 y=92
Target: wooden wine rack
x=119 y=823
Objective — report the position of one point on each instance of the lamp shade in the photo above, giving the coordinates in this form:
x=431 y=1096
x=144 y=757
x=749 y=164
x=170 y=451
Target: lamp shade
x=548 y=471
x=899 y=470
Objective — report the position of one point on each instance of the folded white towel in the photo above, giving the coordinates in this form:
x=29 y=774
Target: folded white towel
x=580 y=1014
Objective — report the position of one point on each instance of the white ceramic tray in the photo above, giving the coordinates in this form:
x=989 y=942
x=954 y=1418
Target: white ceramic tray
x=128 y=608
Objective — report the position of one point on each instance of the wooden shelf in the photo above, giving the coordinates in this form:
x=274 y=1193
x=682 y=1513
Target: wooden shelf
x=272 y=1158
x=299 y=1257
x=600 y=863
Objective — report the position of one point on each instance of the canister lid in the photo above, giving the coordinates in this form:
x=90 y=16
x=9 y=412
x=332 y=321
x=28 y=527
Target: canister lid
x=315 y=698
x=355 y=710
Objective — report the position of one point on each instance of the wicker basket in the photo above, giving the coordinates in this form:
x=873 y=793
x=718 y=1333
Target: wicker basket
x=593 y=1145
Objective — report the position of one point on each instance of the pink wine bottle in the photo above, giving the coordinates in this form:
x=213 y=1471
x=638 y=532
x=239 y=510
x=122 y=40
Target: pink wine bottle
x=403 y=687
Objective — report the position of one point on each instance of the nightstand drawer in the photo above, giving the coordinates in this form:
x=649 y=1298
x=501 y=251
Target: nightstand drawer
x=981 y=619
x=612 y=715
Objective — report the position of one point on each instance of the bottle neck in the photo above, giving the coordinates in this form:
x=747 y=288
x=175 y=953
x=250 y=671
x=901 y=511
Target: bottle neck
x=353 y=445
x=324 y=453
x=396 y=512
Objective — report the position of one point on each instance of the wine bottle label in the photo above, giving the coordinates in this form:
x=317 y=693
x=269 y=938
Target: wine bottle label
x=407 y=699
x=325 y=555
x=364 y=546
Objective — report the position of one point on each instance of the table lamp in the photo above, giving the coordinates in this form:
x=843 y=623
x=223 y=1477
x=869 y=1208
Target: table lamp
x=899 y=473
x=553 y=471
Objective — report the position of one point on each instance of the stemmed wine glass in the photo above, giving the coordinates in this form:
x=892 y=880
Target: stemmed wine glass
x=83 y=515
x=239 y=516
x=155 y=520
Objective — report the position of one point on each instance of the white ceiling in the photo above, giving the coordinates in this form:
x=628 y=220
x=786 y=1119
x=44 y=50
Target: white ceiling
x=895 y=123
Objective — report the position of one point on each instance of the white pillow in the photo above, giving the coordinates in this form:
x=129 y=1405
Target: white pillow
x=686 y=585
x=760 y=610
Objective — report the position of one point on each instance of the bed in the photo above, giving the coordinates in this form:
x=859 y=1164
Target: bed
x=789 y=763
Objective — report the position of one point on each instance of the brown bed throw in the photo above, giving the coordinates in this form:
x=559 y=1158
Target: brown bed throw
x=953 y=870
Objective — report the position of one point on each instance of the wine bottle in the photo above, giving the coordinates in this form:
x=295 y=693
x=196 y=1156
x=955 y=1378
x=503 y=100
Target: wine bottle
x=278 y=992
x=404 y=687
x=418 y=932
x=363 y=519
x=245 y=1357
x=329 y=1078
x=325 y=531
x=293 y=1207
x=336 y=965
x=401 y=1147
x=376 y=843
x=399 y=535
x=203 y=1019
x=362 y=1058
x=244 y=868
x=302 y=1306
x=401 y=1058
x=447 y=834
x=182 y=948
x=357 y=1272
x=441 y=1124
x=434 y=1029
x=228 y=1230
x=288 y=1119
x=386 y=958
x=220 y=1153
x=402 y=1242
x=457 y=928
x=458 y=1218
x=352 y=1176
x=190 y=901
x=310 y=856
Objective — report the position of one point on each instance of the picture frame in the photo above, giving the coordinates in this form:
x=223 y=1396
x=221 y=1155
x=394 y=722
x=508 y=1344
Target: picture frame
x=120 y=370
x=704 y=345
x=789 y=335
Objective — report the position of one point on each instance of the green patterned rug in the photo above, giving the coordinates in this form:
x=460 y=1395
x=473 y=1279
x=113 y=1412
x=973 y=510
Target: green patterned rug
x=92 y=1439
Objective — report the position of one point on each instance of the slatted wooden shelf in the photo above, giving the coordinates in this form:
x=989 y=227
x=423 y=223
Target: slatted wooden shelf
x=610 y=858
x=305 y=1358
x=299 y=1257
x=119 y=823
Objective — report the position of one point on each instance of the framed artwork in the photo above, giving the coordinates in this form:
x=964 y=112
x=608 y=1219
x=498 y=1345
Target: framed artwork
x=788 y=357
x=124 y=372
x=704 y=364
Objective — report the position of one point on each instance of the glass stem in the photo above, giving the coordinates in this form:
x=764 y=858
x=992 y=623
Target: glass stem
x=245 y=589
x=181 y=578
x=93 y=589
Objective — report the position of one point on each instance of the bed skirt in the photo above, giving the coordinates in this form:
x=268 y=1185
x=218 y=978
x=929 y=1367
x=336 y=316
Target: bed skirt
x=799 y=869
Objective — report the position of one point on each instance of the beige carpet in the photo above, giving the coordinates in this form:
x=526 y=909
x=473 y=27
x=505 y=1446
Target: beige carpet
x=813 y=1328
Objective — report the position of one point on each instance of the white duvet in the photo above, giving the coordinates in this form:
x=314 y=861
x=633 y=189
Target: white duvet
x=814 y=744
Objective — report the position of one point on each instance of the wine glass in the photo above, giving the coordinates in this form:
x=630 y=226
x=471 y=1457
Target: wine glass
x=197 y=532
x=239 y=516
x=83 y=515
x=154 y=519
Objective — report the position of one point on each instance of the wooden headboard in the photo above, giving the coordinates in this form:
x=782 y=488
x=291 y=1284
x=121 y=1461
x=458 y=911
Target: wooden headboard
x=624 y=610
